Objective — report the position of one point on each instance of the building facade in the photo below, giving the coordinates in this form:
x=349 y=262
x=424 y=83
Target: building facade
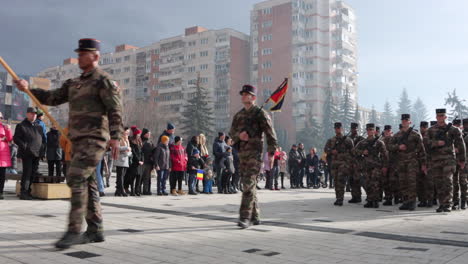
x=313 y=43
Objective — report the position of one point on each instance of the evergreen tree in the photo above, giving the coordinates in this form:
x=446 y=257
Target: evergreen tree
x=458 y=105
x=357 y=117
x=404 y=105
x=388 y=118
x=329 y=115
x=311 y=135
x=373 y=116
x=197 y=116
x=345 y=111
x=419 y=112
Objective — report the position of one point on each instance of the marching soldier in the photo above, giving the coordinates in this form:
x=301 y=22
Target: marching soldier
x=464 y=172
x=375 y=164
x=443 y=140
x=390 y=180
x=339 y=148
x=459 y=181
x=95 y=116
x=425 y=182
x=355 y=178
x=410 y=158
x=248 y=127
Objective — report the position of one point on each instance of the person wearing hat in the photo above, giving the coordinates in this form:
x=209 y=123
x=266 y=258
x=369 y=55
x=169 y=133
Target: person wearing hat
x=374 y=157
x=339 y=149
x=446 y=152
x=390 y=183
x=247 y=129
x=162 y=164
x=178 y=166
x=354 y=179
x=169 y=132
x=410 y=159
x=29 y=138
x=95 y=117
x=425 y=183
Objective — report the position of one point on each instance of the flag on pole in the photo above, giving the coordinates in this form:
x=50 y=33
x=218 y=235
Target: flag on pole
x=277 y=97
x=200 y=175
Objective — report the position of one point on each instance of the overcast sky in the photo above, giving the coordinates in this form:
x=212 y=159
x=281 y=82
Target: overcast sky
x=418 y=44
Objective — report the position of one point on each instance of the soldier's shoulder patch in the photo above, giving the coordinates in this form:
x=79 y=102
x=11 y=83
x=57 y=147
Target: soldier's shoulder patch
x=115 y=86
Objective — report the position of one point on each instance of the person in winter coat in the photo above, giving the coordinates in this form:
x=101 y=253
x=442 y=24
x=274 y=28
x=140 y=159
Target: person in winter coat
x=219 y=147
x=14 y=158
x=162 y=164
x=169 y=132
x=208 y=176
x=268 y=160
x=282 y=163
x=5 y=158
x=122 y=163
x=294 y=163
x=54 y=153
x=135 y=169
x=40 y=121
x=178 y=166
x=29 y=137
x=228 y=170
x=195 y=163
x=312 y=162
x=148 y=164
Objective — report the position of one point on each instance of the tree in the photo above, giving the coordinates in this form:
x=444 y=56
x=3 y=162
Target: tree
x=357 y=117
x=197 y=116
x=142 y=114
x=419 y=112
x=345 y=111
x=329 y=114
x=373 y=116
x=388 y=118
x=459 y=107
x=404 y=105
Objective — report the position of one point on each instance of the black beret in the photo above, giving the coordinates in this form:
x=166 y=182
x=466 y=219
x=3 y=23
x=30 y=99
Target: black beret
x=177 y=139
x=456 y=122
x=377 y=128
x=338 y=125
x=441 y=111
x=387 y=127
x=354 y=125
x=248 y=89
x=465 y=121
x=405 y=116
x=424 y=124
x=370 y=125
x=88 y=44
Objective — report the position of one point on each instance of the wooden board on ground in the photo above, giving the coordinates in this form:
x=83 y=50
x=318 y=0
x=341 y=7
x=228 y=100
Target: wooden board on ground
x=47 y=190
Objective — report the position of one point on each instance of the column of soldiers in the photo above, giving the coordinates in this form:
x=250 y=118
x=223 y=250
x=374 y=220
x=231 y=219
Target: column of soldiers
x=409 y=166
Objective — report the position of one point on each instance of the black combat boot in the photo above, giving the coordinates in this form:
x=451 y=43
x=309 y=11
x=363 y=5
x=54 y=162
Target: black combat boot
x=455 y=205
x=404 y=206
x=429 y=204
x=355 y=200
x=68 y=240
x=388 y=202
x=412 y=206
x=92 y=237
x=463 y=205
x=422 y=204
x=369 y=204
x=375 y=204
x=338 y=202
x=398 y=200
x=440 y=209
x=243 y=223
x=447 y=209
x=256 y=221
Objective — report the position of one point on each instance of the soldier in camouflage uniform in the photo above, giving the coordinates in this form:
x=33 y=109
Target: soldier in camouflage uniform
x=444 y=139
x=247 y=129
x=339 y=148
x=390 y=182
x=459 y=181
x=410 y=158
x=464 y=172
x=425 y=182
x=375 y=164
x=356 y=172
x=95 y=116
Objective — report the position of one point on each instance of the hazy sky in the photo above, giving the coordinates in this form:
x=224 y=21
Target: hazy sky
x=418 y=44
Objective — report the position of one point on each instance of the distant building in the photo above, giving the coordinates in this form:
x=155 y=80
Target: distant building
x=13 y=103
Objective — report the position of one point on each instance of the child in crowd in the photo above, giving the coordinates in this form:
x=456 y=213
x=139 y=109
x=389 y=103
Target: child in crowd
x=208 y=177
x=195 y=163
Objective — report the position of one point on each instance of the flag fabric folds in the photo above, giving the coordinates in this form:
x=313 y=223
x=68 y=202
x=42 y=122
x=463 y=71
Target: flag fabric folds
x=200 y=175
x=277 y=97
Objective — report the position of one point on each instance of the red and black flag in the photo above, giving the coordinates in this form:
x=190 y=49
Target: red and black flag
x=277 y=97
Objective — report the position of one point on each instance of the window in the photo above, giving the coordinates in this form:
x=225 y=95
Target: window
x=156 y=75
x=203 y=53
x=266 y=79
x=126 y=92
x=266 y=65
x=126 y=69
x=127 y=81
x=118 y=60
x=191 y=69
x=127 y=58
x=266 y=37
x=267 y=51
x=192 y=43
x=204 y=41
x=191 y=56
x=267 y=24
x=267 y=11
x=204 y=67
x=204 y=80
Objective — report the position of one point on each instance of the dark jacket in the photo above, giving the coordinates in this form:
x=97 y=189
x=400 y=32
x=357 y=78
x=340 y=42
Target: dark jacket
x=137 y=156
x=29 y=137
x=219 y=148
x=229 y=163
x=54 y=151
x=162 y=157
x=312 y=161
x=170 y=136
x=190 y=147
x=294 y=159
x=195 y=163
x=14 y=155
x=147 y=150
x=303 y=157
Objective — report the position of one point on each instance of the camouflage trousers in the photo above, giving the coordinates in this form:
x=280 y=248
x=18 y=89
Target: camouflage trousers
x=459 y=184
x=249 y=168
x=390 y=184
x=425 y=186
x=81 y=178
x=372 y=177
x=442 y=172
x=339 y=171
x=355 y=181
x=407 y=174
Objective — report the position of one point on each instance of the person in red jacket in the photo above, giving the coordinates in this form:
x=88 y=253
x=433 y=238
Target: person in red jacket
x=5 y=159
x=178 y=166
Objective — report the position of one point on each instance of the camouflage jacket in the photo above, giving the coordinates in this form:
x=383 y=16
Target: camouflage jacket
x=453 y=140
x=414 y=147
x=356 y=138
x=377 y=156
x=391 y=154
x=343 y=145
x=256 y=122
x=95 y=105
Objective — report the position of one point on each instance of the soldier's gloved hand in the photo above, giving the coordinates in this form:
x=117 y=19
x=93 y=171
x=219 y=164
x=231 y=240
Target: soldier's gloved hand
x=244 y=136
x=440 y=143
x=402 y=147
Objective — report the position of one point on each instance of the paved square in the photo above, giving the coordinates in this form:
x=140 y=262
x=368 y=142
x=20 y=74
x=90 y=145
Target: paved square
x=299 y=226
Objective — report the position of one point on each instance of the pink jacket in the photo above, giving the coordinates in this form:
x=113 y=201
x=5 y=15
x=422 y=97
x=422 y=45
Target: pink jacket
x=5 y=137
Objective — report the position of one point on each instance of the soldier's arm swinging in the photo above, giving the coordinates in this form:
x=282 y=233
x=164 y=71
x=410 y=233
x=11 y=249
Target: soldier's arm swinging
x=110 y=96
